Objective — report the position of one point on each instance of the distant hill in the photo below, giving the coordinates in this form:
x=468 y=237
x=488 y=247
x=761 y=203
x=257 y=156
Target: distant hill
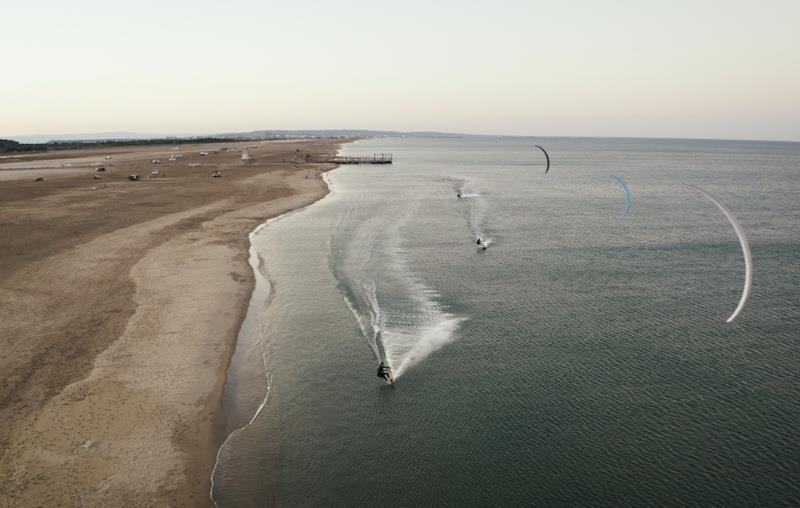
x=324 y=133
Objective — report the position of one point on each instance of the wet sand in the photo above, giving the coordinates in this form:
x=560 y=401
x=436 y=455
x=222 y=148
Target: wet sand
x=121 y=302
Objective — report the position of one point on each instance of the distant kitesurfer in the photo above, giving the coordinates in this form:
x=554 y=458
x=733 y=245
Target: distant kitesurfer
x=480 y=241
x=458 y=194
x=384 y=372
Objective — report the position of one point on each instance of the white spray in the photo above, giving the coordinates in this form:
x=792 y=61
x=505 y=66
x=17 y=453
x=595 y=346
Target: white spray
x=367 y=256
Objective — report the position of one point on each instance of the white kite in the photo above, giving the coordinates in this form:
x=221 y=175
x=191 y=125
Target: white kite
x=748 y=260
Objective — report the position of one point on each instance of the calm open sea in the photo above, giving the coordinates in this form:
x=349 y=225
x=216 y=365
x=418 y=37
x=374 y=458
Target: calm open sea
x=583 y=359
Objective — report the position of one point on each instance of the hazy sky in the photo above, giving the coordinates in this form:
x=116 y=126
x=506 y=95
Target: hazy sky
x=716 y=69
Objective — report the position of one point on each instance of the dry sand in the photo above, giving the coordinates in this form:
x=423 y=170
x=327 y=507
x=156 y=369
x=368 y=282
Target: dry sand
x=120 y=305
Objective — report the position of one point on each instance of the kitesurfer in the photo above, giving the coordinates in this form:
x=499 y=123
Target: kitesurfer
x=480 y=241
x=384 y=372
x=458 y=194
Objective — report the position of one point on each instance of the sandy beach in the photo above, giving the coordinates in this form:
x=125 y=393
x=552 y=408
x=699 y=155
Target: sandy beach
x=120 y=305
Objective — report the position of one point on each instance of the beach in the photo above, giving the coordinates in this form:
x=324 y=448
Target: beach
x=121 y=302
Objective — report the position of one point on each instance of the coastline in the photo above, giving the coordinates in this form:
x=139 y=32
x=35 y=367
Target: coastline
x=223 y=434
x=136 y=416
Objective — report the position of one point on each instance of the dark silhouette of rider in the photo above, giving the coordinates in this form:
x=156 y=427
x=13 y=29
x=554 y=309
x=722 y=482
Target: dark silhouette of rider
x=383 y=372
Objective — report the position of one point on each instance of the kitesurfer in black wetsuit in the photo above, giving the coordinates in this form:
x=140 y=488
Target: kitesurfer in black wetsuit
x=383 y=372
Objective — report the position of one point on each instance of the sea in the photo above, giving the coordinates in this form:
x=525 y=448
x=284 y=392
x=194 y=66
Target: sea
x=582 y=359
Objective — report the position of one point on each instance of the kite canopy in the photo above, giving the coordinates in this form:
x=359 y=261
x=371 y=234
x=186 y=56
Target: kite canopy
x=628 y=200
x=547 y=156
x=748 y=259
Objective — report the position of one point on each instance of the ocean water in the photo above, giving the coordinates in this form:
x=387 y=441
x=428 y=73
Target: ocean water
x=583 y=359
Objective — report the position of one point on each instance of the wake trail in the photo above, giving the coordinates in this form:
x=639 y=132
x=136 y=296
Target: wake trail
x=359 y=292
x=396 y=312
x=474 y=209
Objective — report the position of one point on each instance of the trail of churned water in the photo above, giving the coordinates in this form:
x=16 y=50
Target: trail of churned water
x=398 y=315
x=475 y=208
x=415 y=332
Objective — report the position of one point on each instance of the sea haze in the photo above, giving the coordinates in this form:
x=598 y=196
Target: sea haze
x=583 y=359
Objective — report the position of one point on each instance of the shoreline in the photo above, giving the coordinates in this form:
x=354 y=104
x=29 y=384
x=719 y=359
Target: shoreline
x=222 y=434
x=115 y=397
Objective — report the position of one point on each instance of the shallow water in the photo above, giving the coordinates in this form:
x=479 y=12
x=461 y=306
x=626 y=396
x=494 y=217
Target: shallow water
x=582 y=359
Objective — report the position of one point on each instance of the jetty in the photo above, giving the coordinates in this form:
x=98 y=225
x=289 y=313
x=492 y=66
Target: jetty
x=376 y=158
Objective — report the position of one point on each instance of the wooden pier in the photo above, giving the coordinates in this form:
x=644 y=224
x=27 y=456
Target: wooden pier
x=377 y=158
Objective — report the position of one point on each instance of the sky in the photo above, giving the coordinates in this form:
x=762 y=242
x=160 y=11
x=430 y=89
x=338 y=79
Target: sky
x=685 y=69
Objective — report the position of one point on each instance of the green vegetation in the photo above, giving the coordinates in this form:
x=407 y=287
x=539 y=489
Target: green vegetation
x=8 y=145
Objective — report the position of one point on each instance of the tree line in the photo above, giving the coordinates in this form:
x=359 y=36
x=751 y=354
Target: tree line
x=8 y=145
